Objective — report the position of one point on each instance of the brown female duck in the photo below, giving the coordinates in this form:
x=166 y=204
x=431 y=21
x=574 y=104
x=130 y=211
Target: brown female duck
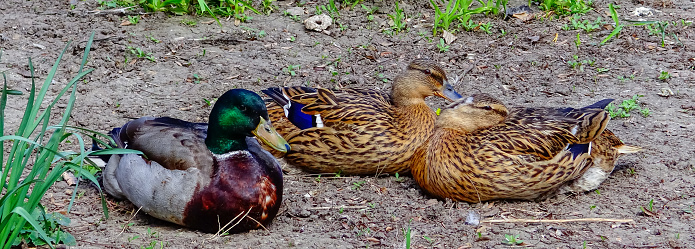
x=482 y=151
x=359 y=131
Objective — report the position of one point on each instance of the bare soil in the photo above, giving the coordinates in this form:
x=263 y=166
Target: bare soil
x=526 y=67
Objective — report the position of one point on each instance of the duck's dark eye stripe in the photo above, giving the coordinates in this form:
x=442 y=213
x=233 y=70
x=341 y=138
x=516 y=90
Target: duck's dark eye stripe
x=501 y=112
x=437 y=76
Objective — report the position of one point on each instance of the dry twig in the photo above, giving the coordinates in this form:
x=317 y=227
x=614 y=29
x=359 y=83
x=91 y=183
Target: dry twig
x=559 y=221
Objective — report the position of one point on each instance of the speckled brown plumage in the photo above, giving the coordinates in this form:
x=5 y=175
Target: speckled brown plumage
x=482 y=151
x=365 y=131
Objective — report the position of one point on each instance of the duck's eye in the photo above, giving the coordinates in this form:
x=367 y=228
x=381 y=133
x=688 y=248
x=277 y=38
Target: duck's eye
x=428 y=71
x=242 y=108
x=487 y=107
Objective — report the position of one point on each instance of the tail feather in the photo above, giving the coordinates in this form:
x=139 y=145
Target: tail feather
x=95 y=147
x=276 y=94
x=601 y=104
x=627 y=149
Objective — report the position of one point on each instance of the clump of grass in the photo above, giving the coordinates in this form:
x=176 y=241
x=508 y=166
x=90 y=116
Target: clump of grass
x=291 y=69
x=618 y=26
x=664 y=76
x=586 y=25
x=577 y=64
x=232 y=8
x=649 y=209
x=457 y=11
x=38 y=141
x=451 y=13
x=512 y=240
x=442 y=46
x=398 y=19
x=626 y=106
x=564 y=7
x=139 y=53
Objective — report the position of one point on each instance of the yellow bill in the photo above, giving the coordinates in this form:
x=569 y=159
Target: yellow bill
x=267 y=133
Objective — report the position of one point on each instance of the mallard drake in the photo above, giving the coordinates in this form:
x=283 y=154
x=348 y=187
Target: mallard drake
x=359 y=131
x=481 y=150
x=202 y=175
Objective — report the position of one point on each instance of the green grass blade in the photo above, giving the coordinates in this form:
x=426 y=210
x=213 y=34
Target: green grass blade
x=13 y=191
x=49 y=163
x=248 y=5
x=205 y=8
x=47 y=83
x=614 y=33
x=614 y=14
x=640 y=23
x=114 y=151
x=3 y=103
x=86 y=51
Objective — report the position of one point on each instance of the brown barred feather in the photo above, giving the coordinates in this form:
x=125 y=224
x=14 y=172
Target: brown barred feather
x=478 y=154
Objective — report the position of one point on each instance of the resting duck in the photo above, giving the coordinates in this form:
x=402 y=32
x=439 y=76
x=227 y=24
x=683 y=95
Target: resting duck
x=482 y=151
x=202 y=175
x=359 y=131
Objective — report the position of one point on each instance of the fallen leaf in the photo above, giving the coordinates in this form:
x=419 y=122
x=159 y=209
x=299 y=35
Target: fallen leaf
x=432 y=202
x=665 y=92
x=647 y=212
x=524 y=17
x=69 y=178
x=126 y=23
x=448 y=37
x=372 y=239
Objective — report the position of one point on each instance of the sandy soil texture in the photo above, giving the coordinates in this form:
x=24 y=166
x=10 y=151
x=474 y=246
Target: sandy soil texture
x=529 y=65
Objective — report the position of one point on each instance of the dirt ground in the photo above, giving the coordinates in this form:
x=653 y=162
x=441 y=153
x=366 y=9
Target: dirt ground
x=528 y=66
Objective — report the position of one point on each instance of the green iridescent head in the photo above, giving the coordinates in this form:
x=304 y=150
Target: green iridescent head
x=238 y=114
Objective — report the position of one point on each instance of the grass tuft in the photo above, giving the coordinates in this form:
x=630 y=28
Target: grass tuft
x=34 y=162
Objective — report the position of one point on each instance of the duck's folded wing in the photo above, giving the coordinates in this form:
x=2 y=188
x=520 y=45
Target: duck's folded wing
x=528 y=131
x=173 y=143
x=545 y=132
x=286 y=115
x=352 y=107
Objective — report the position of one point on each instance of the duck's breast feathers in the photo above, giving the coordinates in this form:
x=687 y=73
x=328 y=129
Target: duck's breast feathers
x=241 y=184
x=173 y=143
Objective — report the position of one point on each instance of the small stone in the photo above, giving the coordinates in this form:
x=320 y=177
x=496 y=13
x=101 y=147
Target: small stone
x=318 y=23
x=473 y=218
x=295 y=11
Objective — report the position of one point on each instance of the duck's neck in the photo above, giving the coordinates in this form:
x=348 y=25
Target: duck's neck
x=409 y=103
x=222 y=145
x=415 y=118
